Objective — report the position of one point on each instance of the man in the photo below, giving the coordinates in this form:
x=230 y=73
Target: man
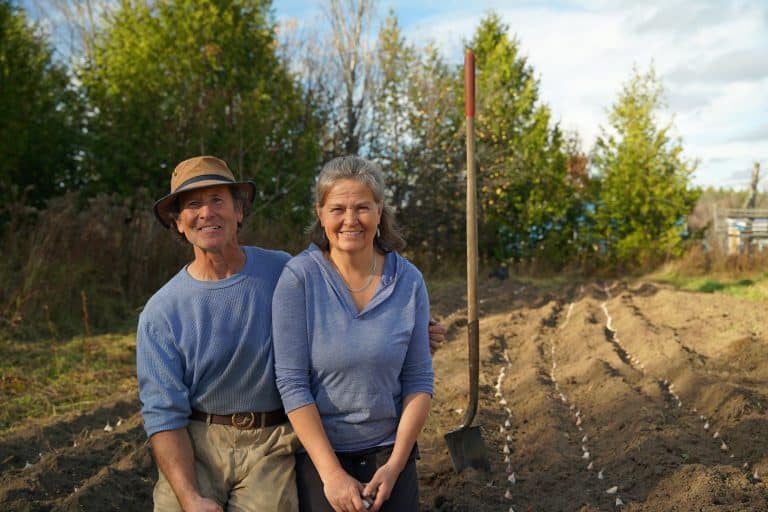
x=204 y=357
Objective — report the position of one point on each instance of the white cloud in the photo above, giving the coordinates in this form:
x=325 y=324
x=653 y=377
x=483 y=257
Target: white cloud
x=712 y=59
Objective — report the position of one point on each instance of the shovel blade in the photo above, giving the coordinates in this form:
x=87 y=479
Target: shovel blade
x=467 y=449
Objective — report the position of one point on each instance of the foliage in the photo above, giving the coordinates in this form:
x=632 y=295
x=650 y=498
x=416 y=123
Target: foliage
x=38 y=116
x=417 y=137
x=161 y=80
x=173 y=78
x=524 y=191
x=645 y=192
x=87 y=269
x=84 y=269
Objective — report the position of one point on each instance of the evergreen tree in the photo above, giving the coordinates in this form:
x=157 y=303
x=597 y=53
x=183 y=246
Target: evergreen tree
x=524 y=191
x=645 y=191
x=417 y=136
x=38 y=115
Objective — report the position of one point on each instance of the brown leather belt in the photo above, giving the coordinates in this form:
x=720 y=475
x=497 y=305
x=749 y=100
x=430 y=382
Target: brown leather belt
x=242 y=420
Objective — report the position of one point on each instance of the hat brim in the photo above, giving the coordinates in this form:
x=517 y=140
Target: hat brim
x=163 y=206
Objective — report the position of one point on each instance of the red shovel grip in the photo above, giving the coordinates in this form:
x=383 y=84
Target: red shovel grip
x=469 y=84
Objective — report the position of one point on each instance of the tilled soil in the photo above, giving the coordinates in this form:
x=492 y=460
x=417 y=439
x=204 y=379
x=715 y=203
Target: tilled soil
x=595 y=396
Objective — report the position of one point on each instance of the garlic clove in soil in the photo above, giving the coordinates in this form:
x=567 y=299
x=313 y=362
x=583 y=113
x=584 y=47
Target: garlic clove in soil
x=511 y=478
x=619 y=502
x=600 y=475
x=108 y=428
x=716 y=435
x=724 y=447
x=756 y=475
x=591 y=465
x=706 y=426
x=508 y=495
x=27 y=465
x=585 y=456
x=503 y=401
x=612 y=490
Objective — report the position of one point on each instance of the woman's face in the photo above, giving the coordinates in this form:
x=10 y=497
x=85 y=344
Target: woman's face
x=350 y=216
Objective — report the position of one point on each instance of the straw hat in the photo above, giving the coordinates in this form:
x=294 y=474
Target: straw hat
x=199 y=172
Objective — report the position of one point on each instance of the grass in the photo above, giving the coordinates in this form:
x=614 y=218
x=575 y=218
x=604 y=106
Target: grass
x=753 y=288
x=39 y=379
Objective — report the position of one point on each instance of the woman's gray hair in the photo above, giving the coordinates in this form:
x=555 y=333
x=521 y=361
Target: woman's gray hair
x=363 y=171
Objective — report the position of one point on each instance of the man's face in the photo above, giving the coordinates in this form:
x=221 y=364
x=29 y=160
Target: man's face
x=208 y=218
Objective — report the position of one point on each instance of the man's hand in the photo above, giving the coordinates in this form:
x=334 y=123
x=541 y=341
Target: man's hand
x=176 y=458
x=437 y=333
x=200 y=504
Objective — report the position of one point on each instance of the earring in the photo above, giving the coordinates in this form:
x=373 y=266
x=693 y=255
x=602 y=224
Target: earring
x=378 y=232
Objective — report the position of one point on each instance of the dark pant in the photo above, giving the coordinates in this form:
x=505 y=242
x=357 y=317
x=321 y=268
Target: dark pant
x=362 y=466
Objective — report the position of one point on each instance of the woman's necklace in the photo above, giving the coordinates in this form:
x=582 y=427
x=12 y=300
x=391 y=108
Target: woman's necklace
x=367 y=281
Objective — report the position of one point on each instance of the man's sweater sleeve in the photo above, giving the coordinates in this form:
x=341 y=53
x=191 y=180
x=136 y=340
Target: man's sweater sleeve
x=291 y=341
x=164 y=397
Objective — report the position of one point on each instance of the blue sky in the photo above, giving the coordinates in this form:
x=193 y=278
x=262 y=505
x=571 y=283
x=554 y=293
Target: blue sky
x=711 y=55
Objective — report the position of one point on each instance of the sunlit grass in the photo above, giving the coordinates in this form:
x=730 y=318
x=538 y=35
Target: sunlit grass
x=39 y=379
x=753 y=288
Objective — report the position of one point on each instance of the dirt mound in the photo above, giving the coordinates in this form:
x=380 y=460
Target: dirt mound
x=597 y=396
x=97 y=461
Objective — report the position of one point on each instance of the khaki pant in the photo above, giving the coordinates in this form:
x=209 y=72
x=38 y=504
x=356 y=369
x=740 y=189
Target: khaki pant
x=243 y=470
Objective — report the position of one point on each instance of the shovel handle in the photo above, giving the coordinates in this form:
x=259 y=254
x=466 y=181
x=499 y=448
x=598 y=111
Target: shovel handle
x=473 y=334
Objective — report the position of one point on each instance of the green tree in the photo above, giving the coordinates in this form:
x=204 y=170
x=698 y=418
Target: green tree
x=38 y=114
x=645 y=191
x=416 y=135
x=173 y=78
x=524 y=190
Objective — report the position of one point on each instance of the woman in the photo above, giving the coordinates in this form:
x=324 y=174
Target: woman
x=352 y=356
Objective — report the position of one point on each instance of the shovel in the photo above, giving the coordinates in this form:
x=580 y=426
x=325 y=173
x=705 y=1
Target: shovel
x=465 y=444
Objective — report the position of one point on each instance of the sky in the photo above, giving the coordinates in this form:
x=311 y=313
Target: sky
x=711 y=57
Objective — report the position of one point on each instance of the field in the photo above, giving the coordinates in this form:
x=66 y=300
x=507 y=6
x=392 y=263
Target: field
x=595 y=396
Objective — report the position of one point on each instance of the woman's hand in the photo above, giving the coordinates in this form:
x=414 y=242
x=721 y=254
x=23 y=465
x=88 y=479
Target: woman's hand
x=344 y=492
x=380 y=487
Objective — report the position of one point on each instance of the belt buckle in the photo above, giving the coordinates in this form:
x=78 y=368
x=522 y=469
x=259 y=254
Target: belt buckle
x=243 y=420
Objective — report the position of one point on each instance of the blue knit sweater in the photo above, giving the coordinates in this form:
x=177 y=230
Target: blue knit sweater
x=356 y=367
x=207 y=345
